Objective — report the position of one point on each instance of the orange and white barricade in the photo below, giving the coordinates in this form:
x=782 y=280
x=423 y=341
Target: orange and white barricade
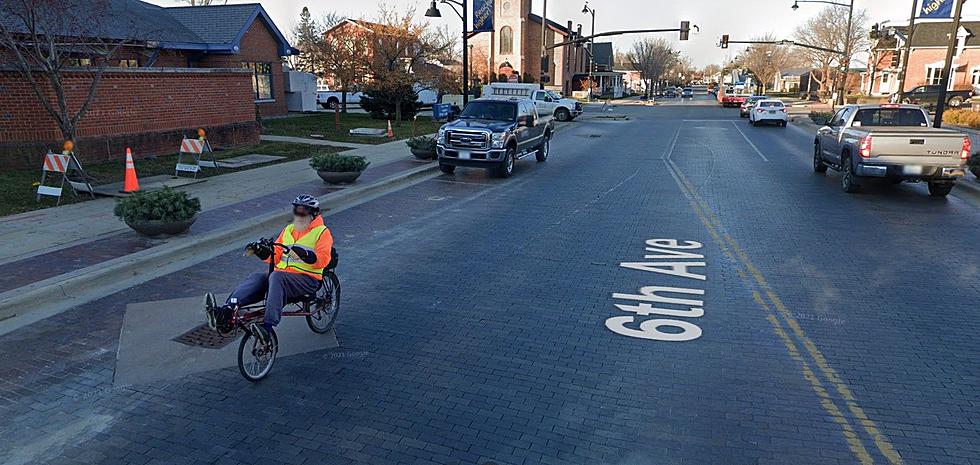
x=65 y=165
x=189 y=158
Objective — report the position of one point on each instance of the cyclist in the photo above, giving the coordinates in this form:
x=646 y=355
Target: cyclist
x=296 y=274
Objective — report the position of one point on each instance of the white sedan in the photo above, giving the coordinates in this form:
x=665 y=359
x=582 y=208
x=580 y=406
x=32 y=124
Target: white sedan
x=768 y=111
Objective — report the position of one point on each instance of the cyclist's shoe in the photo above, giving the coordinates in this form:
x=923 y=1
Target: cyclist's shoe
x=260 y=333
x=210 y=305
x=223 y=317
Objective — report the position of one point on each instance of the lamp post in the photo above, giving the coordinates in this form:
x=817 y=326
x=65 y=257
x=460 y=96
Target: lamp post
x=433 y=12
x=846 y=62
x=586 y=9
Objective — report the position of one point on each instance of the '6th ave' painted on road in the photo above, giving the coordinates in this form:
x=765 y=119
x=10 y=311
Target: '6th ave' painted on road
x=665 y=256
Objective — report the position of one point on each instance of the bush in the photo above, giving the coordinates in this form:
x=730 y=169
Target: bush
x=380 y=103
x=966 y=118
x=820 y=117
x=422 y=143
x=166 y=205
x=338 y=163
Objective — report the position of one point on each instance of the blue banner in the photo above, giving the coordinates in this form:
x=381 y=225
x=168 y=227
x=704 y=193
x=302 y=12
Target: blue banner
x=936 y=9
x=482 y=15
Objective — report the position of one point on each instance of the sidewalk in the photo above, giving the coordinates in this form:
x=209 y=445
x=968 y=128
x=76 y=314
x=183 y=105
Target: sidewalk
x=72 y=239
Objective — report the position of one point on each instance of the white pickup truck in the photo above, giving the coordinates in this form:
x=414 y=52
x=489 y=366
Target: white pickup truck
x=547 y=103
x=331 y=99
x=892 y=142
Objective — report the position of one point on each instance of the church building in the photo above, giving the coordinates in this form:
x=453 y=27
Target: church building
x=513 y=50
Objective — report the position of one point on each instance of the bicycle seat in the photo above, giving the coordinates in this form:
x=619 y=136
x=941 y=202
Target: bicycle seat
x=334 y=258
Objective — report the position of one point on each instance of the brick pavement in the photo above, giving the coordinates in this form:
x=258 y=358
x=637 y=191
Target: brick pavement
x=505 y=359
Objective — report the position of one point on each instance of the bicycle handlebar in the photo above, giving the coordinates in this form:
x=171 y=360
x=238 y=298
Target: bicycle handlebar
x=268 y=243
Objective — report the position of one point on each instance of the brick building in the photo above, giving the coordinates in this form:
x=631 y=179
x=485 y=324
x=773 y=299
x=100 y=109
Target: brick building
x=215 y=67
x=515 y=45
x=929 y=44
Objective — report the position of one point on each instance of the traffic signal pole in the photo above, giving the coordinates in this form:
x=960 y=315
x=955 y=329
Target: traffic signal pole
x=947 y=67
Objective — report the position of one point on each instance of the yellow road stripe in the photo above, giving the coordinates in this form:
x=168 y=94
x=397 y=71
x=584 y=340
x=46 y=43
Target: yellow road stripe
x=729 y=245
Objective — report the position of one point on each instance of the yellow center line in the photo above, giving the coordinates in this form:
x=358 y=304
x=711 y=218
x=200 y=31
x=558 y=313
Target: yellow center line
x=732 y=250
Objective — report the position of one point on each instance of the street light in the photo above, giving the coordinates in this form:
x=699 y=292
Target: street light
x=842 y=83
x=433 y=12
x=586 y=10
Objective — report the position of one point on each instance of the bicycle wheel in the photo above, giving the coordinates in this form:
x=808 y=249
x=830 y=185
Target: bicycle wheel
x=326 y=306
x=255 y=360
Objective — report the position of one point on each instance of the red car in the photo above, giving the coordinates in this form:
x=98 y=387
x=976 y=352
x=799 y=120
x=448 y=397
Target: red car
x=733 y=100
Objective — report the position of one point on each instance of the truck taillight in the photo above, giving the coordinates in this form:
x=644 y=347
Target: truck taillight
x=965 y=152
x=782 y=110
x=865 y=149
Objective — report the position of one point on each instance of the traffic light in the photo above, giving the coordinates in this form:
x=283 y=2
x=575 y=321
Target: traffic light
x=896 y=57
x=724 y=41
x=685 y=29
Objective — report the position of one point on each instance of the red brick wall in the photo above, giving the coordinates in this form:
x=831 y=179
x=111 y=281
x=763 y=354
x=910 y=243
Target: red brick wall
x=146 y=109
x=922 y=57
x=258 y=44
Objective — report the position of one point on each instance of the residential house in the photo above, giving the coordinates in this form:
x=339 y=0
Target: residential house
x=796 y=81
x=930 y=41
x=181 y=68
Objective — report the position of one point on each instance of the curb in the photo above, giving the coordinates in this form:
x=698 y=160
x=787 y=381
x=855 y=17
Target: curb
x=36 y=301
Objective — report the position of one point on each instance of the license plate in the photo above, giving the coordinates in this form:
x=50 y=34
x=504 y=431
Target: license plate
x=464 y=154
x=912 y=169
x=772 y=112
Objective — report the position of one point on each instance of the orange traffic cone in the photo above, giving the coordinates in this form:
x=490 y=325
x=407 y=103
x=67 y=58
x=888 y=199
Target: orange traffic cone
x=391 y=134
x=131 y=183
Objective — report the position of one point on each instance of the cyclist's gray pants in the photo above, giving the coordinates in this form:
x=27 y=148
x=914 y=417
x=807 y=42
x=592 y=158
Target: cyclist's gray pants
x=282 y=287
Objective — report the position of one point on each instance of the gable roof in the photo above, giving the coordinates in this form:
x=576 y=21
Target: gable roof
x=602 y=53
x=551 y=24
x=217 y=28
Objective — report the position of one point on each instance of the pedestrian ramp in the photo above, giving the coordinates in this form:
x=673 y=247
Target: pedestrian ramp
x=153 y=342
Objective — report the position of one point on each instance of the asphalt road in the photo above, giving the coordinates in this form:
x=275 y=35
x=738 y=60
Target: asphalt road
x=480 y=323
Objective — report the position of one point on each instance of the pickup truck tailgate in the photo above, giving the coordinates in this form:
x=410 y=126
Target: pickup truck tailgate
x=903 y=145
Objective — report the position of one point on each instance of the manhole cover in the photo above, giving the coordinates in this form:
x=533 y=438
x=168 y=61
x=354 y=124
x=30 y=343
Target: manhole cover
x=203 y=336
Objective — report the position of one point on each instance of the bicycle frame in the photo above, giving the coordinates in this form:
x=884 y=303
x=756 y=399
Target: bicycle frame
x=245 y=316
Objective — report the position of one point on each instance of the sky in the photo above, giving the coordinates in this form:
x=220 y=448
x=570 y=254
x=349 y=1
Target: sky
x=740 y=19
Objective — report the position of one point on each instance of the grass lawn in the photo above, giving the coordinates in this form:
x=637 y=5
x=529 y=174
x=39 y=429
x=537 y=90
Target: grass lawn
x=17 y=188
x=323 y=123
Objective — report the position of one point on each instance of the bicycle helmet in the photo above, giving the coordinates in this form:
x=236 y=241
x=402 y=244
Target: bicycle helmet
x=309 y=202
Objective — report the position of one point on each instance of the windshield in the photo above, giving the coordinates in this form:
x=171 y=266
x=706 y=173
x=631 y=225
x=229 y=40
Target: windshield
x=498 y=111
x=890 y=117
x=554 y=95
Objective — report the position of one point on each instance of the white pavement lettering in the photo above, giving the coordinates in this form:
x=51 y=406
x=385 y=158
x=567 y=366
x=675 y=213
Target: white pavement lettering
x=673 y=250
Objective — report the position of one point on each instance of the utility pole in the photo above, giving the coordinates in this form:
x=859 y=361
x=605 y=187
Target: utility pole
x=544 y=49
x=846 y=65
x=944 y=83
x=907 y=53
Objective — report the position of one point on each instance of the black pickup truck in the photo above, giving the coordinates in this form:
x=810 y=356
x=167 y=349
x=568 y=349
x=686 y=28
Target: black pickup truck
x=494 y=133
x=927 y=96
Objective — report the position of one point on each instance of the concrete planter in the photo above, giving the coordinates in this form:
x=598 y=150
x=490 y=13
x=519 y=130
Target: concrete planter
x=423 y=154
x=161 y=228
x=338 y=177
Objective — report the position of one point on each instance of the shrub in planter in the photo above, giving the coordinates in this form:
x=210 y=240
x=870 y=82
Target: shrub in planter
x=163 y=212
x=820 y=117
x=338 y=169
x=422 y=146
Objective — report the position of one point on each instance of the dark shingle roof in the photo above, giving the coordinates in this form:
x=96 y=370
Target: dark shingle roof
x=602 y=53
x=937 y=34
x=214 y=28
x=537 y=18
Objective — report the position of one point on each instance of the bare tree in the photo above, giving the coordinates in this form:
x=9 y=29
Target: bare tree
x=765 y=61
x=46 y=39
x=828 y=29
x=652 y=58
x=399 y=47
x=341 y=54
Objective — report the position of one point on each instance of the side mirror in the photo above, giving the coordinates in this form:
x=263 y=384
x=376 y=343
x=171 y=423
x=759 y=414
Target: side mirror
x=522 y=121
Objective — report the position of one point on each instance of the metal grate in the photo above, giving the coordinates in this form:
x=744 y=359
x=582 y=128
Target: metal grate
x=468 y=139
x=203 y=336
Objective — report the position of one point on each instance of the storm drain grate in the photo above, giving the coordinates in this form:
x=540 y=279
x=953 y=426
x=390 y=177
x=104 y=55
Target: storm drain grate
x=203 y=336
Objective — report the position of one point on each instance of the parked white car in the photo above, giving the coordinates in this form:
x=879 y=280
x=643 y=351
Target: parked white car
x=769 y=111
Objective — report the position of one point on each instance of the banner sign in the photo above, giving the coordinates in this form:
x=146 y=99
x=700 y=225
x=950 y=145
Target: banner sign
x=936 y=9
x=482 y=15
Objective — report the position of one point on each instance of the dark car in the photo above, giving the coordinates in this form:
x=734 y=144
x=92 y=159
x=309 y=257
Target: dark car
x=746 y=107
x=927 y=96
x=494 y=134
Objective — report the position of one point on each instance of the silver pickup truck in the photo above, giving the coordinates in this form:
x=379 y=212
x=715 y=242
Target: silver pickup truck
x=893 y=142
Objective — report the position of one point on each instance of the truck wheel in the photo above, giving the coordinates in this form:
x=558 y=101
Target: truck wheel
x=333 y=103
x=847 y=178
x=818 y=165
x=544 y=149
x=562 y=114
x=448 y=169
x=940 y=189
x=506 y=168
x=955 y=102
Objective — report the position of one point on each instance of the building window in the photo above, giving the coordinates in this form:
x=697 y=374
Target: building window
x=80 y=62
x=261 y=79
x=884 y=78
x=129 y=64
x=934 y=75
x=506 y=40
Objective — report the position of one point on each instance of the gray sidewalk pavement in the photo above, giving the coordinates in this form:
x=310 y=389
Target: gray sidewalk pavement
x=55 y=228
